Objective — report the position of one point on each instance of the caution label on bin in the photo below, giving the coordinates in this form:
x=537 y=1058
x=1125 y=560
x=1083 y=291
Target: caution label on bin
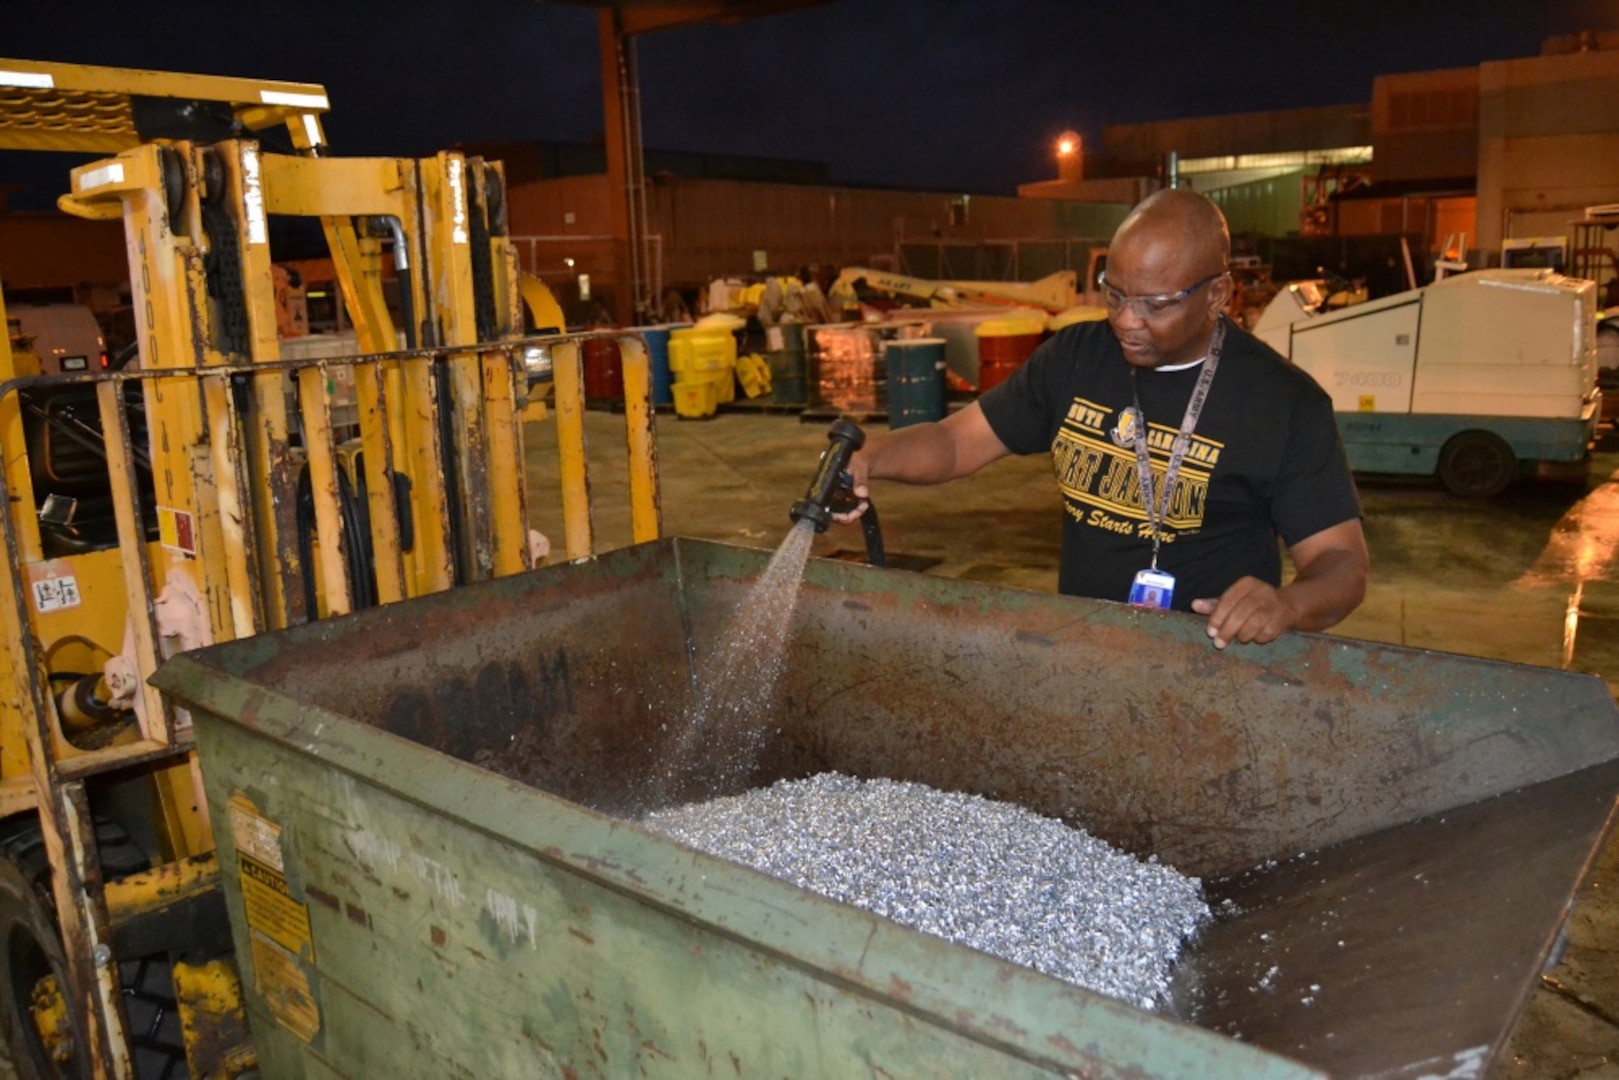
x=255 y=834
x=279 y=937
x=285 y=988
x=271 y=910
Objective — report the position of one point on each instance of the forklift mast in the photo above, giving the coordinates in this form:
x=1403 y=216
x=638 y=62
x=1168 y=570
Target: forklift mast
x=241 y=499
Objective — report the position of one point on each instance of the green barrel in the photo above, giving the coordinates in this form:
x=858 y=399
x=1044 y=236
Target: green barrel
x=787 y=368
x=915 y=381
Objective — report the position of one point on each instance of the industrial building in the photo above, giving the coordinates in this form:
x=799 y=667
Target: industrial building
x=343 y=684
x=1456 y=162
x=1507 y=150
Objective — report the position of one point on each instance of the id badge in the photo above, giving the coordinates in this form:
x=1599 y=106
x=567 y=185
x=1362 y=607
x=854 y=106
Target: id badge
x=1152 y=589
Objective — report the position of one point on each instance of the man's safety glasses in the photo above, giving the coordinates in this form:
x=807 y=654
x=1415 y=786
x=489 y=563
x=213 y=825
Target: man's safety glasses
x=1149 y=307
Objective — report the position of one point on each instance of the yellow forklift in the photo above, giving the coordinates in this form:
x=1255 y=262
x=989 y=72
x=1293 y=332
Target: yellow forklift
x=209 y=489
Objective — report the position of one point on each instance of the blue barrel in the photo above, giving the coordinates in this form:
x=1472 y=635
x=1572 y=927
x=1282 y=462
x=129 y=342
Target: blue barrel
x=657 y=354
x=915 y=380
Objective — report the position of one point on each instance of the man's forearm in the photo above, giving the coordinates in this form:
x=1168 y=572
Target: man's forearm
x=957 y=446
x=1327 y=590
x=920 y=454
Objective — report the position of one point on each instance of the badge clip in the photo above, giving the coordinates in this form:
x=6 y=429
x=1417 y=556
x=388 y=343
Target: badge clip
x=1152 y=589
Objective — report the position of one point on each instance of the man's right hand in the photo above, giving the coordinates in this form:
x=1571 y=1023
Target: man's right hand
x=930 y=453
x=859 y=470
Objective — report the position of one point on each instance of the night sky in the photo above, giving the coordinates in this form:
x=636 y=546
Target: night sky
x=925 y=94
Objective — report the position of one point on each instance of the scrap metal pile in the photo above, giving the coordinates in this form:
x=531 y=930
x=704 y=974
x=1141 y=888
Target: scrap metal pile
x=988 y=875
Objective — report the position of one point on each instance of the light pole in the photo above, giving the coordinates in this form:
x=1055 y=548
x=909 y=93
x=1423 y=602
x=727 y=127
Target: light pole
x=1070 y=157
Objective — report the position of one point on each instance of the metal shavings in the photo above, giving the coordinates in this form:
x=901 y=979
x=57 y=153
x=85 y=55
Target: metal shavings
x=988 y=875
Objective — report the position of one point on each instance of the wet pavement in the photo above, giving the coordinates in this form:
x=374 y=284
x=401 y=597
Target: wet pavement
x=1529 y=578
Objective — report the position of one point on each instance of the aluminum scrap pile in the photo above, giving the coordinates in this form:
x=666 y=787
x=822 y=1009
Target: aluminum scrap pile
x=988 y=875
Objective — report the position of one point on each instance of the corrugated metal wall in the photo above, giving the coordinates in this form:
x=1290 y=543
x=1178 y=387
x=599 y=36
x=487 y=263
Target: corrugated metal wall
x=575 y=205
x=710 y=228
x=48 y=250
x=1268 y=207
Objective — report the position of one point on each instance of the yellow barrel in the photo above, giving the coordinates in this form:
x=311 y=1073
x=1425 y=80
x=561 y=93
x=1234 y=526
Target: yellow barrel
x=705 y=352
x=695 y=398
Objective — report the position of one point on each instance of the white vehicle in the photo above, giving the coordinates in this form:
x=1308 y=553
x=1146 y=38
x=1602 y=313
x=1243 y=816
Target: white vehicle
x=66 y=337
x=1476 y=378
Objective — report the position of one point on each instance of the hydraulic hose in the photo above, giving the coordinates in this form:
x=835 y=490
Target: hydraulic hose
x=407 y=301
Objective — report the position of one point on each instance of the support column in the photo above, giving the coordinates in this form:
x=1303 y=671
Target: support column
x=626 y=182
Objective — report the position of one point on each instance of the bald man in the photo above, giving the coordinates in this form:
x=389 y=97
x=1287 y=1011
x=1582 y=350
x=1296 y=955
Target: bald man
x=1236 y=446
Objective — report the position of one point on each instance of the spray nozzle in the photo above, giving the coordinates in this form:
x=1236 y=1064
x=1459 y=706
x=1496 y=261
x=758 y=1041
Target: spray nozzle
x=830 y=489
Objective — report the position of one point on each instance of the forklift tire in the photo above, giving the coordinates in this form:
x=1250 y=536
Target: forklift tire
x=1477 y=465
x=31 y=948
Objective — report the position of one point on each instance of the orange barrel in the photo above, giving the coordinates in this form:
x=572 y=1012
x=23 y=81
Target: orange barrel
x=1003 y=345
x=604 y=370
x=915 y=380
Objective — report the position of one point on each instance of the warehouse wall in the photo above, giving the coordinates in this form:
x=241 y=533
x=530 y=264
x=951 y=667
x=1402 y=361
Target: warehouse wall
x=1268 y=207
x=562 y=231
x=704 y=229
x=1425 y=125
x=50 y=250
x=576 y=205
x=1129 y=149
x=1548 y=143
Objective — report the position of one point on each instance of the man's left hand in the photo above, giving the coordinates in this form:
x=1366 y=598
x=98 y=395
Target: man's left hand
x=1330 y=583
x=1250 y=611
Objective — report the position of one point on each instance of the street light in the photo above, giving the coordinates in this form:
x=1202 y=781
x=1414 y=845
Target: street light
x=1070 y=156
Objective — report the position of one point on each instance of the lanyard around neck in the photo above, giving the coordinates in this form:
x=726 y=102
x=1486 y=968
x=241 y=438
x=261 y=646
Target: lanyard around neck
x=1158 y=509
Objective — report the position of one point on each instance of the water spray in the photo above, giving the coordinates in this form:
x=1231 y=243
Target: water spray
x=832 y=490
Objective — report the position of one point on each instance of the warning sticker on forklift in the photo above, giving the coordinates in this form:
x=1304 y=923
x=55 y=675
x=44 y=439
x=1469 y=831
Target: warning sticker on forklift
x=271 y=910
x=54 y=586
x=176 y=530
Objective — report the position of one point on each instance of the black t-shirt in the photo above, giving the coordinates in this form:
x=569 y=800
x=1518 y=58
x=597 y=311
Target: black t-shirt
x=1265 y=461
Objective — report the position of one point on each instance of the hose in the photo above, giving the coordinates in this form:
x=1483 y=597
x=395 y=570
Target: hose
x=358 y=563
x=873 y=532
x=407 y=301
x=304 y=512
x=460 y=572
x=357 y=552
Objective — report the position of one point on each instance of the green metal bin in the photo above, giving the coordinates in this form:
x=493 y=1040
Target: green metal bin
x=425 y=813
